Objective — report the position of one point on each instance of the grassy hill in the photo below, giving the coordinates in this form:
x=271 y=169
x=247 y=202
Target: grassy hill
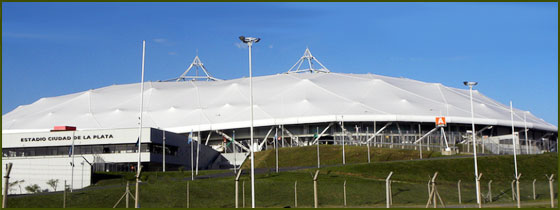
x=332 y=155
x=365 y=185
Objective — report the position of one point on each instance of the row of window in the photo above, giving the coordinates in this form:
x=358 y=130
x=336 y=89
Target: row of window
x=87 y=149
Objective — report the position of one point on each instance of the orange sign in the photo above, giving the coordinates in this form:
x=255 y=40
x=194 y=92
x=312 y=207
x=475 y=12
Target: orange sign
x=440 y=121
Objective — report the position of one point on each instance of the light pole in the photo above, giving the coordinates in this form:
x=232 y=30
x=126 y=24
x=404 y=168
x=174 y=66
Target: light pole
x=138 y=167
x=249 y=41
x=471 y=84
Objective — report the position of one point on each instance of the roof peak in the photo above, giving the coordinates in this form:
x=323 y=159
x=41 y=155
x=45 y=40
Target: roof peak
x=197 y=64
x=307 y=56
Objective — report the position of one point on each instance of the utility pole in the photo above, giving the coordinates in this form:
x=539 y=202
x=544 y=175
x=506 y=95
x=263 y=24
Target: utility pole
x=138 y=167
x=315 y=196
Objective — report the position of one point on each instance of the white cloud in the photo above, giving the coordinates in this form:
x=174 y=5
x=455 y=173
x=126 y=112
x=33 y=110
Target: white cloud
x=240 y=45
x=160 y=40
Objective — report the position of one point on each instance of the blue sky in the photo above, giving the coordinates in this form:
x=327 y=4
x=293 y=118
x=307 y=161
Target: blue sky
x=511 y=49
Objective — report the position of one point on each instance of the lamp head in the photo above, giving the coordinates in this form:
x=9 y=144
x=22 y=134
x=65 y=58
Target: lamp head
x=470 y=84
x=249 y=39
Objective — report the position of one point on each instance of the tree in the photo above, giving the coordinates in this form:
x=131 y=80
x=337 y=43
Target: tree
x=53 y=183
x=33 y=188
x=13 y=184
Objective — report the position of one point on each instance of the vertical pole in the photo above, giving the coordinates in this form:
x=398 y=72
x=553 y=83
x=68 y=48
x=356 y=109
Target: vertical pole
x=518 y=194
x=252 y=141
x=368 y=152
x=388 y=190
x=127 y=193
x=82 y=180
x=419 y=135
x=490 y=190
x=527 y=145
x=188 y=195
x=295 y=194
x=198 y=140
x=343 y=152
x=513 y=139
x=434 y=193
x=234 y=153
x=72 y=178
x=474 y=150
x=236 y=193
x=459 y=190
x=163 y=153
x=534 y=191
x=315 y=196
x=243 y=192
x=512 y=190
x=479 y=176
x=237 y=189
x=550 y=185
x=192 y=156
x=282 y=136
x=345 y=192
x=6 y=185
x=140 y=129
x=64 y=196
x=375 y=131
x=276 y=148
x=318 y=156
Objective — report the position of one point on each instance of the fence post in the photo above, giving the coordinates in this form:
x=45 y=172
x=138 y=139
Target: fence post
x=534 y=192
x=295 y=194
x=237 y=188
x=188 y=196
x=490 y=191
x=315 y=189
x=512 y=190
x=126 y=193
x=344 y=192
x=551 y=186
x=459 y=190
x=388 y=190
x=6 y=185
x=478 y=193
x=518 y=194
x=64 y=196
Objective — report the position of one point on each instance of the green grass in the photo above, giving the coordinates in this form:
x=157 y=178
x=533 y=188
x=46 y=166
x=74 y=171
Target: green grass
x=365 y=186
x=332 y=155
x=497 y=168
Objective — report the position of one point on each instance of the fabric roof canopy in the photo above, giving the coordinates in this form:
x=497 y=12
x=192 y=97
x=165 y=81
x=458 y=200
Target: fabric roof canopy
x=279 y=99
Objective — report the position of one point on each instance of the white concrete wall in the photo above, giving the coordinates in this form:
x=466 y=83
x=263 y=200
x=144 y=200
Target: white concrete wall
x=39 y=170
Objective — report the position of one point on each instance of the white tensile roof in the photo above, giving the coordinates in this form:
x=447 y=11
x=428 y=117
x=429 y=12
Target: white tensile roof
x=279 y=99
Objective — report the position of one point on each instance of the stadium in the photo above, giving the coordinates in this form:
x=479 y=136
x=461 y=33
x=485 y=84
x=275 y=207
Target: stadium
x=300 y=107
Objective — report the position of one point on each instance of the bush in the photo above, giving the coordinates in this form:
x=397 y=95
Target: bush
x=33 y=188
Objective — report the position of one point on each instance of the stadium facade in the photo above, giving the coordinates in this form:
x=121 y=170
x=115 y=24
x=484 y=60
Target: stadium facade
x=300 y=107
